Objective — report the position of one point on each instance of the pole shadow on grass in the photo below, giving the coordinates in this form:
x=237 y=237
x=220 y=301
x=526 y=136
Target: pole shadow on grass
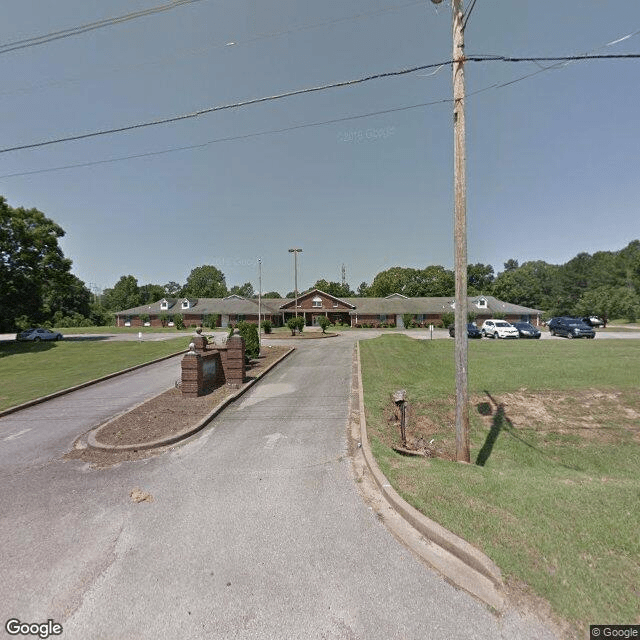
x=501 y=422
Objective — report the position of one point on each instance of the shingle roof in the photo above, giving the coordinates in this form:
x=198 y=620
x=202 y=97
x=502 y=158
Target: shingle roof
x=365 y=306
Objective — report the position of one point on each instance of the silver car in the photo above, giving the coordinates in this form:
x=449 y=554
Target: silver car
x=36 y=335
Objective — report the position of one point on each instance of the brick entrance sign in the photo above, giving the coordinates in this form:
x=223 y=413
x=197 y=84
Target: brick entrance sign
x=207 y=366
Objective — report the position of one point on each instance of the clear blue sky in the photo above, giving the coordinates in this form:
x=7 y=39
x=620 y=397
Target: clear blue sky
x=552 y=160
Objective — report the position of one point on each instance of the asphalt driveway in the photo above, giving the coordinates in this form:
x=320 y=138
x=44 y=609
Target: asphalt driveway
x=252 y=529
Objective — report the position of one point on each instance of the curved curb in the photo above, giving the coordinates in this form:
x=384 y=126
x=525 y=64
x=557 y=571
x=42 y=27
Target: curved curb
x=431 y=530
x=82 y=385
x=185 y=433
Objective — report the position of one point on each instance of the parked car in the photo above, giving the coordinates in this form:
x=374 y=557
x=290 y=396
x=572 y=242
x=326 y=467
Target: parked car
x=38 y=334
x=593 y=321
x=570 y=328
x=499 y=329
x=527 y=330
x=472 y=331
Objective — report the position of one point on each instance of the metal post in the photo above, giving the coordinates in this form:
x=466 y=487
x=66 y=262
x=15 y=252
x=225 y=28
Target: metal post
x=295 y=260
x=259 y=303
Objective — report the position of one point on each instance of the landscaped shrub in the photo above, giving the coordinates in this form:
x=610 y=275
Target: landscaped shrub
x=249 y=332
x=179 y=322
x=292 y=323
x=267 y=326
x=324 y=322
x=300 y=323
x=211 y=320
x=407 y=319
x=163 y=319
x=448 y=318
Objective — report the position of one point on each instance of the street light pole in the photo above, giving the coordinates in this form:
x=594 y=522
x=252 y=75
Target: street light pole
x=295 y=260
x=460 y=234
x=259 y=303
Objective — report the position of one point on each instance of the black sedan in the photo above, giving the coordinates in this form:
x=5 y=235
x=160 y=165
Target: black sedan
x=526 y=330
x=472 y=331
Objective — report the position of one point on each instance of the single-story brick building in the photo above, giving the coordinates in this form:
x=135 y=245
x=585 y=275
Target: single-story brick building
x=353 y=312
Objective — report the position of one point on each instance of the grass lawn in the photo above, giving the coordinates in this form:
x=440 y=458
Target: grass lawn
x=30 y=370
x=553 y=491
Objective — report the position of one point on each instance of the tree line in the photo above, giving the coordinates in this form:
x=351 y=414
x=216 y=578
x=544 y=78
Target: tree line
x=37 y=286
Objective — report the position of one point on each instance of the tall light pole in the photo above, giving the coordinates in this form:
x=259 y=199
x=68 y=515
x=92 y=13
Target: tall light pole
x=295 y=259
x=460 y=234
x=259 y=303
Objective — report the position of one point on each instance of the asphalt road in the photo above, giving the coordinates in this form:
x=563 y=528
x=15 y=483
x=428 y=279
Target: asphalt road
x=256 y=528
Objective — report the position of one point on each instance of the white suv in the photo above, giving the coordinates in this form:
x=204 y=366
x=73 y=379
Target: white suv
x=499 y=329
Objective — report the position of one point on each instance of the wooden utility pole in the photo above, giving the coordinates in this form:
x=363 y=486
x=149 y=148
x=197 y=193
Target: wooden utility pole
x=460 y=236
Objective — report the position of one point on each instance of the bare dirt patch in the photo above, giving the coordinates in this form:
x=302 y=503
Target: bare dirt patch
x=162 y=416
x=606 y=417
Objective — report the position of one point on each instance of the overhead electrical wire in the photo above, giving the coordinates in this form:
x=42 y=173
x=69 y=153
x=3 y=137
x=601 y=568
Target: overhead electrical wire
x=235 y=43
x=100 y=24
x=296 y=92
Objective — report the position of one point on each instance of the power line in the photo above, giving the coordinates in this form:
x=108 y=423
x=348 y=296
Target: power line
x=234 y=105
x=346 y=83
x=34 y=41
x=235 y=43
x=229 y=139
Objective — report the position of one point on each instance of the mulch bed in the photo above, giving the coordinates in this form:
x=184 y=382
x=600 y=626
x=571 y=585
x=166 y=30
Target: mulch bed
x=163 y=416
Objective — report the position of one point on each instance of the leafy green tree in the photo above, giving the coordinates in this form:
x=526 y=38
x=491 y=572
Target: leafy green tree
x=206 y=281
x=336 y=289
x=124 y=295
x=609 y=303
x=363 y=290
x=151 y=293
x=172 y=290
x=245 y=290
x=271 y=294
x=511 y=265
x=434 y=281
x=31 y=263
x=67 y=296
x=479 y=278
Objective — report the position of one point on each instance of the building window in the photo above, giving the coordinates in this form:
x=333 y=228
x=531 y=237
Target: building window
x=164 y=305
x=482 y=303
x=335 y=305
x=317 y=302
x=383 y=317
x=185 y=304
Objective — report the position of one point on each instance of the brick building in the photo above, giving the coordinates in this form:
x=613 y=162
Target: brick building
x=311 y=305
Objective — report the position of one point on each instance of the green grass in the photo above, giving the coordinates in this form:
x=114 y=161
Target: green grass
x=553 y=495
x=106 y=330
x=29 y=370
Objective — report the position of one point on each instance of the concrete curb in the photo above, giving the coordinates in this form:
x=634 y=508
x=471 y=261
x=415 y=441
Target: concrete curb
x=82 y=385
x=474 y=559
x=189 y=431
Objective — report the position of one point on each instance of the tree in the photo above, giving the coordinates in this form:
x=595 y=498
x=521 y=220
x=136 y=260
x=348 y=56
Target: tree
x=434 y=281
x=245 y=290
x=336 y=289
x=479 y=278
x=67 y=296
x=609 y=303
x=31 y=262
x=206 y=281
x=124 y=295
x=151 y=293
x=271 y=294
x=511 y=265
x=172 y=289
x=363 y=290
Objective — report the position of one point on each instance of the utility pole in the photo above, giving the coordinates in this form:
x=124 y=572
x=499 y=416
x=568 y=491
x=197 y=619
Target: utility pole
x=295 y=259
x=460 y=234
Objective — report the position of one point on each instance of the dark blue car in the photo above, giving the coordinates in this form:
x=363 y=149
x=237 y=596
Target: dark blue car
x=526 y=330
